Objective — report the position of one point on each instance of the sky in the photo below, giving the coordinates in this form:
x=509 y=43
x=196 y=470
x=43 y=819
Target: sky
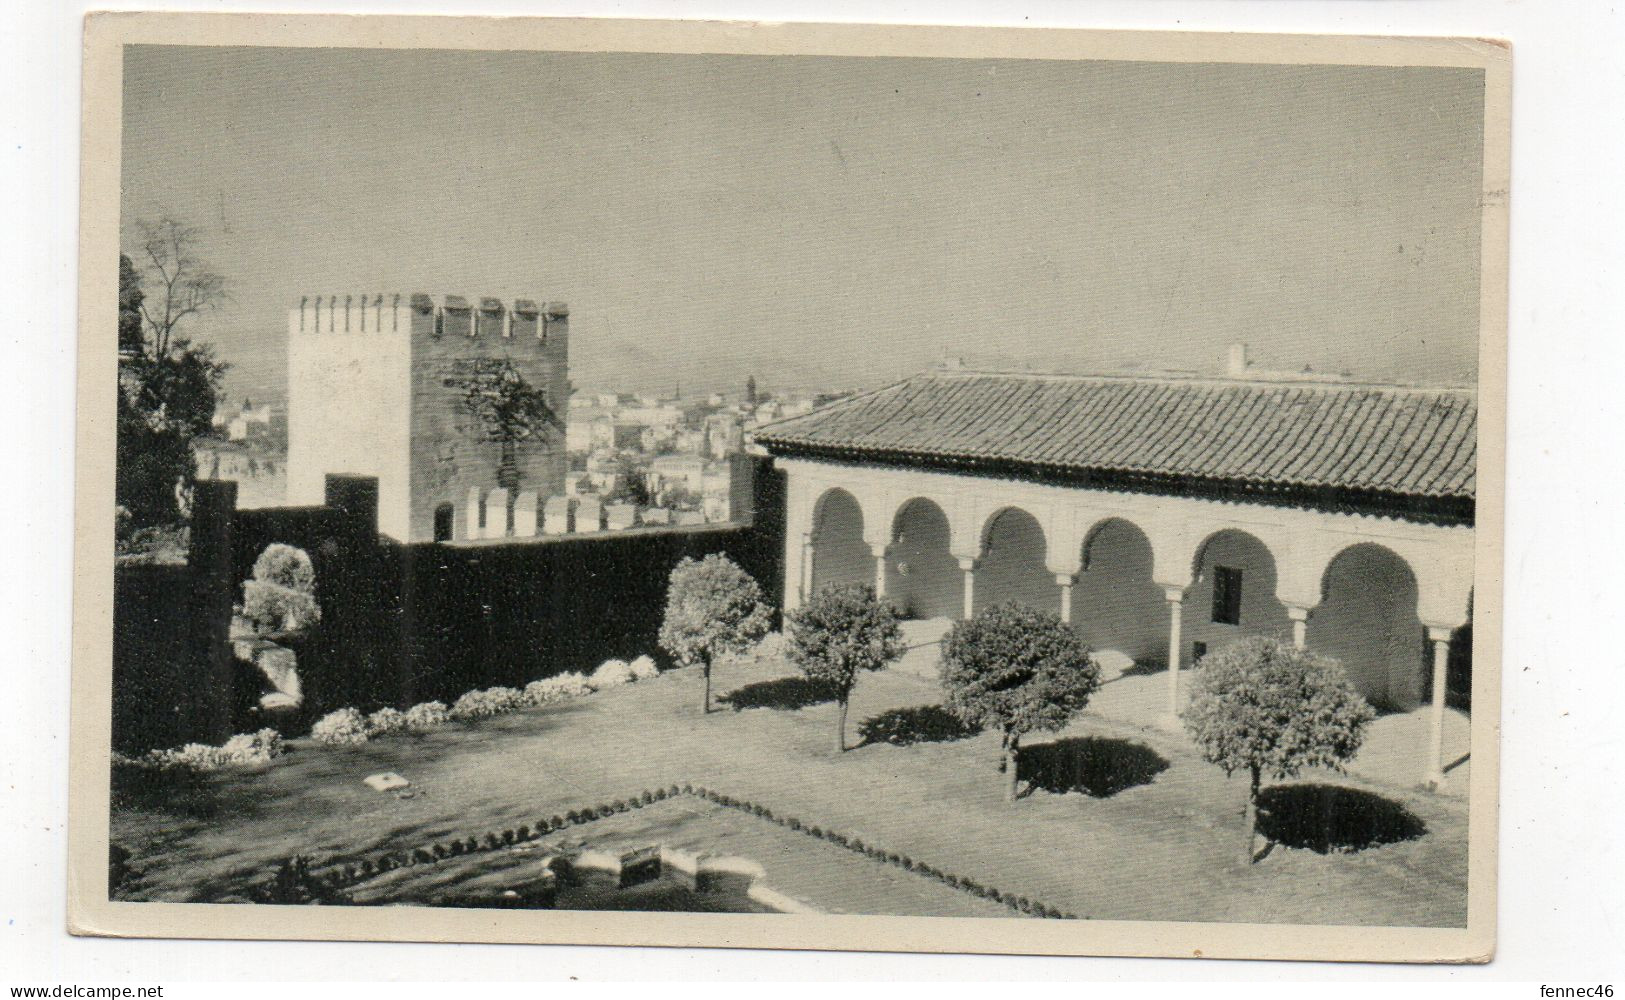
x=827 y=222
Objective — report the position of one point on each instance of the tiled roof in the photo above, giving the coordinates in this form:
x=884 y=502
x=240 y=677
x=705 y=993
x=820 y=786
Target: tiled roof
x=1396 y=440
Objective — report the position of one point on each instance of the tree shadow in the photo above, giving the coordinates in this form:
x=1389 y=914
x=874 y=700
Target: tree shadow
x=1332 y=818
x=1094 y=765
x=915 y=724
x=782 y=693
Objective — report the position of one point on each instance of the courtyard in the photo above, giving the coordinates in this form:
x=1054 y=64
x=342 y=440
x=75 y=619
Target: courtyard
x=1121 y=819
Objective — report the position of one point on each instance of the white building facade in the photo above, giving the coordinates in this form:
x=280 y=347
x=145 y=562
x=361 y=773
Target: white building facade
x=1161 y=518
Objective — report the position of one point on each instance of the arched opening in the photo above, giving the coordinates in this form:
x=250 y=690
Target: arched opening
x=1367 y=621
x=922 y=578
x=840 y=555
x=1115 y=604
x=443 y=519
x=1014 y=564
x=1233 y=594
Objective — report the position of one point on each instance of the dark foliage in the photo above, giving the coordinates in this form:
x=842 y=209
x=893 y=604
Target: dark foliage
x=293 y=884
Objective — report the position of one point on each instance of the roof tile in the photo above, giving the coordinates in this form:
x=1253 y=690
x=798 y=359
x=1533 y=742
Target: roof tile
x=1389 y=439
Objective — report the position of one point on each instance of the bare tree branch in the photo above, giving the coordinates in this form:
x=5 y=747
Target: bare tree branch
x=178 y=282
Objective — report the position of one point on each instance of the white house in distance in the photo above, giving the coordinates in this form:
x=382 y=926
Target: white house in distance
x=1161 y=515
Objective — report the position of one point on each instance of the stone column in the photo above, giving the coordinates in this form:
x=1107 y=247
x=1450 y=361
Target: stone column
x=969 y=566
x=1176 y=606
x=1300 y=624
x=1065 y=582
x=808 y=553
x=1439 y=638
x=879 y=550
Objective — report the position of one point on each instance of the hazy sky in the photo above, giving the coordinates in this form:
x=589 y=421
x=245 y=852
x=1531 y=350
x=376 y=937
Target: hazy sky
x=832 y=221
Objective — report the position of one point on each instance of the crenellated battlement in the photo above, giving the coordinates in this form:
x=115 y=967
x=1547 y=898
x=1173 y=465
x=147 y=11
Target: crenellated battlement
x=374 y=389
x=427 y=315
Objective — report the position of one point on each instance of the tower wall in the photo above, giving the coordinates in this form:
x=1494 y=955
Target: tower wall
x=368 y=395
x=450 y=452
x=349 y=399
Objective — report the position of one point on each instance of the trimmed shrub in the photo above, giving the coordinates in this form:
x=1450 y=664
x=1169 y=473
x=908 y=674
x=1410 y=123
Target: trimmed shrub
x=345 y=727
x=552 y=690
x=611 y=673
x=427 y=715
x=644 y=668
x=386 y=722
x=484 y=704
x=280 y=596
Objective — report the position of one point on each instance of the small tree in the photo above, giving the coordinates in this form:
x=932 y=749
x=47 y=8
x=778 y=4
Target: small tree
x=1019 y=671
x=842 y=631
x=1263 y=706
x=713 y=608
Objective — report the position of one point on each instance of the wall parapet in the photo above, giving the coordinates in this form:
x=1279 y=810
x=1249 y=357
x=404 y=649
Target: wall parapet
x=393 y=312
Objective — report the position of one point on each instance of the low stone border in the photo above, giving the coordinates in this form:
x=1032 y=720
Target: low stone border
x=293 y=882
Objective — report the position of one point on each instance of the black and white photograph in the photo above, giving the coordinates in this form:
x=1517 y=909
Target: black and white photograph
x=1025 y=492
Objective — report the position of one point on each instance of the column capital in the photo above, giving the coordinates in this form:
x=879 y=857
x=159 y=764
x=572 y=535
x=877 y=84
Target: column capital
x=1298 y=613
x=1173 y=595
x=1065 y=579
x=1440 y=633
x=967 y=563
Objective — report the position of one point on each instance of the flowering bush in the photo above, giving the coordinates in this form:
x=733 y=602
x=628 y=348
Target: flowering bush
x=255 y=748
x=611 y=673
x=484 y=704
x=345 y=727
x=244 y=748
x=556 y=689
x=427 y=715
x=386 y=721
x=643 y=668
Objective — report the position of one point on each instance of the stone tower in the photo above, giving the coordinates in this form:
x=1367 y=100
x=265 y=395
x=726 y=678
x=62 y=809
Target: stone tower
x=370 y=392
